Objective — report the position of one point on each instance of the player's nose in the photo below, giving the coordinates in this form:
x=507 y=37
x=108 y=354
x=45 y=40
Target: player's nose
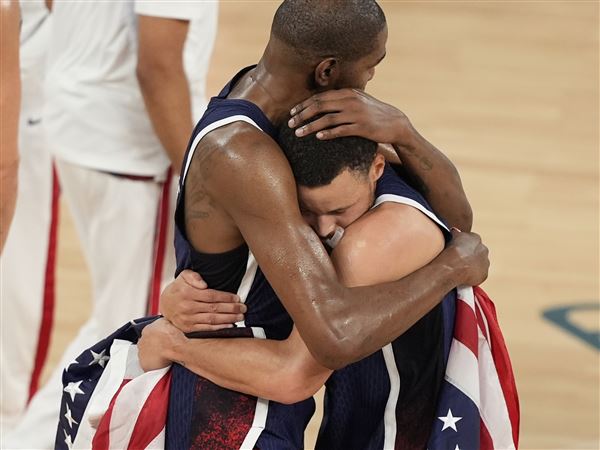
x=325 y=227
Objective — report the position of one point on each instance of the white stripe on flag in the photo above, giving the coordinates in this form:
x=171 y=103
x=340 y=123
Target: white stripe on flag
x=129 y=404
x=466 y=294
x=493 y=411
x=158 y=443
x=108 y=385
x=462 y=371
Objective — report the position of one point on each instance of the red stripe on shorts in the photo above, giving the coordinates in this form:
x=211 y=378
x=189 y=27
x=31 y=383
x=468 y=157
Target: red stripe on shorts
x=160 y=241
x=49 y=292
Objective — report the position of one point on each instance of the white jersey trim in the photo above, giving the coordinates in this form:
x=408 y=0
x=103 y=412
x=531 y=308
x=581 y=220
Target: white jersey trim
x=390 y=427
x=208 y=129
x=389 y=416
x=410 y=202
x=262 y=405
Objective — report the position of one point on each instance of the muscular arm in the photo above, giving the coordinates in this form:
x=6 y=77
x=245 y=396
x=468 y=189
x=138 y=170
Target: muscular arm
x=163 y=82
x=434 y=175
x=335 y=322
x=10 y=97
x=285 y=371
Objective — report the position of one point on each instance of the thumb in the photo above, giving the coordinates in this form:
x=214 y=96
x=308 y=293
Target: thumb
x=193 y=279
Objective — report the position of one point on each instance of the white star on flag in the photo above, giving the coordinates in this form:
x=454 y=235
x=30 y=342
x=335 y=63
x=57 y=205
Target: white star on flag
x=99 y=358
x=68 y=440
x=73 y=389
x=69 y=417
x=449 y=421
x=456 y=448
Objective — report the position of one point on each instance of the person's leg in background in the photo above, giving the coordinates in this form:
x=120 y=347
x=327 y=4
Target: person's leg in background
x=27 y=269
x=115 y=218
x=27 y=262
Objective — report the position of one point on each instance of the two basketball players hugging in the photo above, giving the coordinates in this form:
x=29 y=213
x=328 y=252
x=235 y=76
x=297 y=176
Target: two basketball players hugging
x=251 y=220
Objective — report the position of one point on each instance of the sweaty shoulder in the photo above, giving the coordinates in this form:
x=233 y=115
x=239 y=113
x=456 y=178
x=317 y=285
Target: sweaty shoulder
x=237 y=175
x=386 y=244
x=236 y=153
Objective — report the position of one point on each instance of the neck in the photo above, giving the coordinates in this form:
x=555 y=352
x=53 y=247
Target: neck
x=274 y=86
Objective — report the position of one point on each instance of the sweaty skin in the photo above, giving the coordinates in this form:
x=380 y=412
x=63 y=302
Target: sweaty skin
x=371 y=251
x=338 y=326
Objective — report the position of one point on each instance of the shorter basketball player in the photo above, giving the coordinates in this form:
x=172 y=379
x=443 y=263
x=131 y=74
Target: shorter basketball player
x=379 y=229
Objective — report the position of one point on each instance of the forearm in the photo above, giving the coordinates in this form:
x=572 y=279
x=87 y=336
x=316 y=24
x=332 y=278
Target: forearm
x=167 y=98
x=10 y=100
x=368 y=318
x=435 y=176
x=270 y=371
x=8 y=188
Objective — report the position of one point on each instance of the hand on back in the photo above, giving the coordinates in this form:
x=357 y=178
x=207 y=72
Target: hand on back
x=189 y=305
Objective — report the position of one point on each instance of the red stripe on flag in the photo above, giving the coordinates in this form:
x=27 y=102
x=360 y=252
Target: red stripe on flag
x=101 y=439
x=162 y=225
x=153 y=415
x=485 y=440
x=501 y=361
x=465 y=326
x=48 y=302
x=481 y=322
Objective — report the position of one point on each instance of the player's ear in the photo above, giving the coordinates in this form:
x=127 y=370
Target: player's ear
x=327 y=73
x=377 y=167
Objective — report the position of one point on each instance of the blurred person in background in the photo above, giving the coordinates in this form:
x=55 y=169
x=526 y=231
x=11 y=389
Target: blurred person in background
x=125 y=82
x=27 y=263
x=9 y=103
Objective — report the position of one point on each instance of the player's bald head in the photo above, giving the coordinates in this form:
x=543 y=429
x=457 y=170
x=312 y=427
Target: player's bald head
x=346 y=29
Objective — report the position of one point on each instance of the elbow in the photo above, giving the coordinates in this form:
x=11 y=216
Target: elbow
x=294 y=394
x=465 y=222
x=150 y=72
x=143 y=73
x=339 y=343
x=335 y=354
x=296 y=386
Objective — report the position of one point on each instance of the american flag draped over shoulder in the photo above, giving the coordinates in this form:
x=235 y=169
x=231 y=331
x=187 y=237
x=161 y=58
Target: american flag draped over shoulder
x=478 y=405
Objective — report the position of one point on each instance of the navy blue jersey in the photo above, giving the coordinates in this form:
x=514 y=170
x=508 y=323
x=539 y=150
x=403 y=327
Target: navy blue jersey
x=218 y=418
x=388 y=399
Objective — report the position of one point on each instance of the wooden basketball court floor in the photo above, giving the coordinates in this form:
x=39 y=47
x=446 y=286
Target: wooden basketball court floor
x=509 y=90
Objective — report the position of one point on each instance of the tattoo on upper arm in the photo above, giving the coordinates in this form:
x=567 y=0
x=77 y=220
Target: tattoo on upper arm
x=198 y=202
x=424 y=162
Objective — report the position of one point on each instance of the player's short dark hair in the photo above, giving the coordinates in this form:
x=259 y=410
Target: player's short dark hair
x=343 y=28
x=316 y=163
